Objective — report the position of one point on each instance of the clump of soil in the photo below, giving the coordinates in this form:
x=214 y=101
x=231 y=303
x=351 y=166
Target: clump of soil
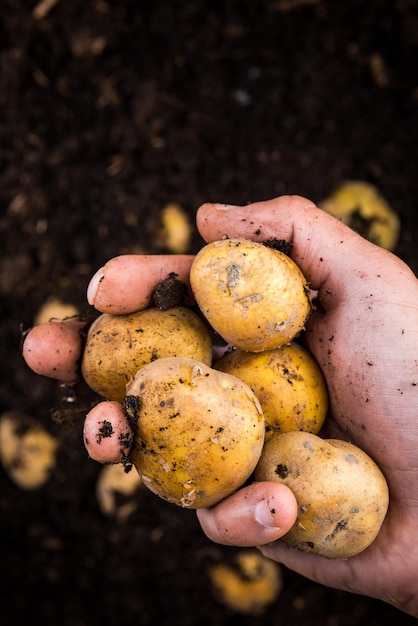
x=169 y=292
x=279 y=244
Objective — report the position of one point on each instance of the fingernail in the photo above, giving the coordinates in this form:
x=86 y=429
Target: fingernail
x=94 y=285
x=226 y=207
x=263 y=515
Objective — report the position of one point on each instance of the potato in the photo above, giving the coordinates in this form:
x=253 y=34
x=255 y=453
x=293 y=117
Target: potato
x=288 y=383
x=255 y=297
x=198 y=433
x=27 y=450
x=342 y=495
x=55 y=309
x=249 y=584
x=117 y=491
x=361 y=206
x=176 y=229
x=117 y=346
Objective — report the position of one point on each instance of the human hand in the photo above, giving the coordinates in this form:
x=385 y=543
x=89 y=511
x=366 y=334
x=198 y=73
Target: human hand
x=364 y=335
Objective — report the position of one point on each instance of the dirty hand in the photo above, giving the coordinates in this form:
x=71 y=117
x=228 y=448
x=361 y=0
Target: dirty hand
x=364 y=335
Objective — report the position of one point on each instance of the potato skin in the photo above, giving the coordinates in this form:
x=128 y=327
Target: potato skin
x=247 y=585
x=27 y=451
x=342 y=495
x=255 y=297
x=198 y=433
x=361 y=206
x=117 y=346
x=288 y=383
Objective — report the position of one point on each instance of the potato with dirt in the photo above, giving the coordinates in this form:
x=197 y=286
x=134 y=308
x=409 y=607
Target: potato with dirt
x=117 y=346
x=361 y=206
x=288 y=383
x=253 y=295
x=341 y=493
x=198 y=432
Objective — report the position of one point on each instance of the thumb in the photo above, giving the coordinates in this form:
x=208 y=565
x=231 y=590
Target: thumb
x=317 y=238
x=253 y=516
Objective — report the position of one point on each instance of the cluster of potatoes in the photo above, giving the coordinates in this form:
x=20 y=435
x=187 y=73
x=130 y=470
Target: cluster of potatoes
x=199 y=427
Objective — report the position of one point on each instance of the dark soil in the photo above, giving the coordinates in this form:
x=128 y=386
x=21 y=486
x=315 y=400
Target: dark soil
x=110 y=110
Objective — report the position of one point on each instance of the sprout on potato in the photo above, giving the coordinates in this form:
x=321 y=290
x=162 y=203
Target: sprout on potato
x=254 y=296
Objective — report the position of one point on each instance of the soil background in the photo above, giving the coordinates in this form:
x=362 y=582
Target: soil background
x=109 y=111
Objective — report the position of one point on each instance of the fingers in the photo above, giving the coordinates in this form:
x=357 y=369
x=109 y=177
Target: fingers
x=253 y=516
x=54 y=349
x=126 y=283
x=316 y=237
x=107 y=433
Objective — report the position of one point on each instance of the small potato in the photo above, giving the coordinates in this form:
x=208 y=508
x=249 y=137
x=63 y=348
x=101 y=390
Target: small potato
x=117 y=346
x=249 y=584
x=255 y=297
x=55 y=309
x=27 y=450
x=199 y=432
x=288 y=383
x=117 y=491
x=342 y=495
x=361 y=206
x=176 y=229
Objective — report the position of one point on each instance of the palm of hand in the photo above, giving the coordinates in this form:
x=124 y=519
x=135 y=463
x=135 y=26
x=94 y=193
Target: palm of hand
x=364 y=335
x=367 y=345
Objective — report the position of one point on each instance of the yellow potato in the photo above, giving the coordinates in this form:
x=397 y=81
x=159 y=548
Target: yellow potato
x=176 y=229
x=255 y=297
x=342 y=495
x=117 y=491
x=198 y=433
x=117 y=346
x=55 y=309
x=249 y=584
x=27 y=450
x=361 y=206
x=288 y=383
